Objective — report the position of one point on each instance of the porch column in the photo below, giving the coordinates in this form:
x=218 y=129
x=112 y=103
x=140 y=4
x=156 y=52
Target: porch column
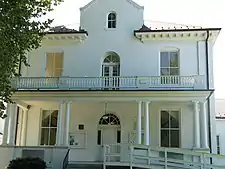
x=147 y=138
x=196 y=125
x=6 y=126
x=67 y=122
x=59 y=125
x=138 y=132
x=203 y=121
x=24 y=127
x=13 y=124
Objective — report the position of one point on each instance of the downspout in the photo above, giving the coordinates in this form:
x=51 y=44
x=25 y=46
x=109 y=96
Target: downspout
x=207 y=85
x=18 y=109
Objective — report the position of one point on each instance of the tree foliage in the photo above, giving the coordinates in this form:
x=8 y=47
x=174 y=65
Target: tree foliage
x=21 y=30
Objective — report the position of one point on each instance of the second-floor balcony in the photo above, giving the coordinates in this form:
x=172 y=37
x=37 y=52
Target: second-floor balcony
x=111 y=83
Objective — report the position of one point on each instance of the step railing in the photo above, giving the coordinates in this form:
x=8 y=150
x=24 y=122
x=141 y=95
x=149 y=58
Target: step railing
x=109 y=83
x=143 y=156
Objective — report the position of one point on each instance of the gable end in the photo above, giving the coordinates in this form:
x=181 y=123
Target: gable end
x=129 y=1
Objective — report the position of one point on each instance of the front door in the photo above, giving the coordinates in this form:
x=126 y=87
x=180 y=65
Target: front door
x=109 y=134
x=109 y=137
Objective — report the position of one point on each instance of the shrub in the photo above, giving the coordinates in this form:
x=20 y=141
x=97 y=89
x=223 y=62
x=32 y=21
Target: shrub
x=27 y=163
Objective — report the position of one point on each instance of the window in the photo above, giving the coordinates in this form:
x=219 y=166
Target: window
x=218 y=144
x=49 y=127
x=81 y=127
x=170 y=128
x=54 y=64
x=169 y=66
x=112 y=20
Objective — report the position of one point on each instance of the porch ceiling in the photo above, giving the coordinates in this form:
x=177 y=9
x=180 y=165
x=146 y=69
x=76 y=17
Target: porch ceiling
x=114 y=96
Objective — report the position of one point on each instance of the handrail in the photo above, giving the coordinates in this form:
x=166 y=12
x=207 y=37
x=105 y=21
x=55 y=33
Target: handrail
x=102 y=82
x=66 y=159
x=167 y=158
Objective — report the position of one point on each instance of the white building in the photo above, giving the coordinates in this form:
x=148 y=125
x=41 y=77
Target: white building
x=116 y=87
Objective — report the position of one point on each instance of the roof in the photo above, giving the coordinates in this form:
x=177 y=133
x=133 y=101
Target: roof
x=144 y=28
x=129 y=1
x=64 y=30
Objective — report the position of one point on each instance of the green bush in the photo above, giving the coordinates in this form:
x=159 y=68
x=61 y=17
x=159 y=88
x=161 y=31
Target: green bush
x=27 y=163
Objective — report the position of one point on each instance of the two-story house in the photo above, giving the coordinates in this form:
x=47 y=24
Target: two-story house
x=116 y=93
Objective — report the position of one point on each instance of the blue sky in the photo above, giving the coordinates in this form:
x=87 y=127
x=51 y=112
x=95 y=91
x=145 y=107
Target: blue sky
x=206 y=13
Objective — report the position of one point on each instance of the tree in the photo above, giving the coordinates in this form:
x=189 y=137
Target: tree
x=21 y=30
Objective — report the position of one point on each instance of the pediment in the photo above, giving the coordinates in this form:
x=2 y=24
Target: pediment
x=95 y=1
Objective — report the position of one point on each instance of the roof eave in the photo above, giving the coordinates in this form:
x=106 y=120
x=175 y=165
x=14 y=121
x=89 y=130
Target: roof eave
x=176 y=30
x=57 y=33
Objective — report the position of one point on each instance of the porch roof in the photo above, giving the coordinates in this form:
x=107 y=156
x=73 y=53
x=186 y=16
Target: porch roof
x=114 y=96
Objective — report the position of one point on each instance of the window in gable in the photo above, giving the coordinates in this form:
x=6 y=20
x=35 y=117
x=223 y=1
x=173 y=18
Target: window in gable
x=112 y=20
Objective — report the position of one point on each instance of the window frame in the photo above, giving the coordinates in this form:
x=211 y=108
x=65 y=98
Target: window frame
x=169 y=50
x=111 y=21
x=49 y=127
x=169 y=129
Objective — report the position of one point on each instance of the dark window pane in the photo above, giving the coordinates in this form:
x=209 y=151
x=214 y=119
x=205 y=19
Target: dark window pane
x=164 y=119
x=44 y=136
x=174 y=119
x=99 y=137
x=174 y=62
x=112 y=16
x=113 y=24
x=174 y=71
x=53 y=136
x=81 y=127
x=45 y=118
x=164 y=59
x=174 y=138
x=165 y=138
x=118 y=136
x=54 y=118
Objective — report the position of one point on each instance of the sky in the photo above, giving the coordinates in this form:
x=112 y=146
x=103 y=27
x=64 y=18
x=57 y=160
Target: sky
x=205 y=13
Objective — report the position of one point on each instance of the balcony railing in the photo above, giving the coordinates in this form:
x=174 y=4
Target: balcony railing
x=109 y=83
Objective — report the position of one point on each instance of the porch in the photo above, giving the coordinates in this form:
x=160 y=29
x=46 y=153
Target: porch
x=111 y=83
x=87 y=122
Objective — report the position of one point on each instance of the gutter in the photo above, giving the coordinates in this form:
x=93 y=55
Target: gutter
x=18 y=109
x=207 y=86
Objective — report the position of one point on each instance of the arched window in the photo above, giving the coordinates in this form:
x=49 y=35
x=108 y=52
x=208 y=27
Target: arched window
x=112 y=20
x=109 y=119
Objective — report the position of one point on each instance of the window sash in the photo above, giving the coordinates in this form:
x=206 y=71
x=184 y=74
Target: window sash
x=170 y=129
x=169 y=67
x=48 y=129
x=54 y=64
